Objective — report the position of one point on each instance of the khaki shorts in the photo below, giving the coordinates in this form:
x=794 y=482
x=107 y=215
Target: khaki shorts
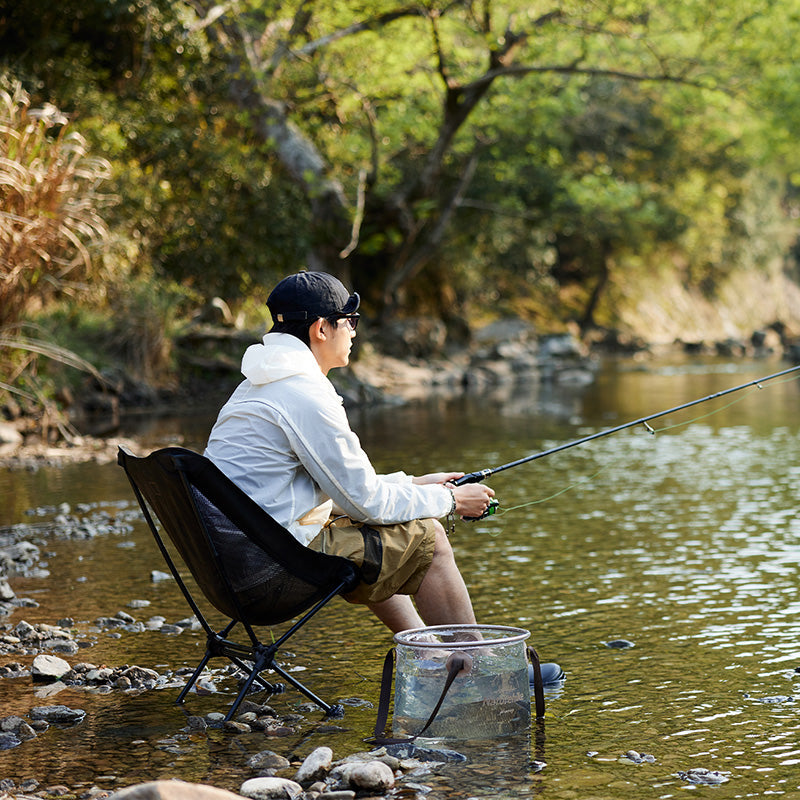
x=393 y=559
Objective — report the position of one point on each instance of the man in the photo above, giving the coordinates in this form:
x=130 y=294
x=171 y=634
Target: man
x=284 y=438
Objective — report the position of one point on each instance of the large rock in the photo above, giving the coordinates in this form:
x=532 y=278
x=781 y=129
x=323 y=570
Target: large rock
x=316 y=766
x=59 y=714
x=271 y=789
x=371 y=777
x=173 y=790
x=48 y=668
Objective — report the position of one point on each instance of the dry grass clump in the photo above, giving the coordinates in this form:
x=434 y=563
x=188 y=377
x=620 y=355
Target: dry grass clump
x=50 y=222
x=49 y=204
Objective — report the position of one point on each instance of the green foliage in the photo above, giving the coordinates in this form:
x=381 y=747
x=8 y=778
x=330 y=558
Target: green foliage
x=434 y=154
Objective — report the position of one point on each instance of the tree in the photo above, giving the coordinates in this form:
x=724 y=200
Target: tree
x=386 y=156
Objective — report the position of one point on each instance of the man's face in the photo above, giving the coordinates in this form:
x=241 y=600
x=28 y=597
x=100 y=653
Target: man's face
x=332 y=345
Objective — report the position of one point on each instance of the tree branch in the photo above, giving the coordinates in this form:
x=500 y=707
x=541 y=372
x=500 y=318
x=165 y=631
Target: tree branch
x=412 y=265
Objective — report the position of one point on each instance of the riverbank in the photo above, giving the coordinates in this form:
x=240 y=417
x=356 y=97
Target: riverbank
x=499 y=357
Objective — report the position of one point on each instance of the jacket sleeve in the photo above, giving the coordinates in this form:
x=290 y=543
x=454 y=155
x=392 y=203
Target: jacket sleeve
x=331 y=453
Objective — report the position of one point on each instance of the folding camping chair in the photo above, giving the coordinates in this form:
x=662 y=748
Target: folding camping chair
x=206 y=517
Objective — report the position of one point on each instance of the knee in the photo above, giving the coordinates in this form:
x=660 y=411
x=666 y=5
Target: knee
x=442 y=547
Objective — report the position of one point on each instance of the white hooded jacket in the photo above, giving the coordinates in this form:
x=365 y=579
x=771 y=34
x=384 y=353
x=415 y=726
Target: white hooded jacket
x=284 y=438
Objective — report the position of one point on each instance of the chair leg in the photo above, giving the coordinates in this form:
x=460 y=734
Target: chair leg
x=262 y=662
x=335 y=710
x=195 y=675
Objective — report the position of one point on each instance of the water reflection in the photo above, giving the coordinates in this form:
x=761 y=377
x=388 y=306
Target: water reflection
x=684 y=542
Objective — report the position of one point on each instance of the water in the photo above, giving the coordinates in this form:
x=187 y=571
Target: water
x=685 y=543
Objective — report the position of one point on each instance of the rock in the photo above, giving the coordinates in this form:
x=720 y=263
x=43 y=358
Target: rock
x=639 y=758
x=140 y=677
x=619 y=644
x=25 y=732
x=9 y=434
x=703 y=776
x=66 y=646
x=9 y=740
x=47 y=668
x=59 y=714
x=6 y=592
x=373 y=777
x=266 y=759
x=173 y=790
x=316 y=766
x=267 y=788
x=236 y=727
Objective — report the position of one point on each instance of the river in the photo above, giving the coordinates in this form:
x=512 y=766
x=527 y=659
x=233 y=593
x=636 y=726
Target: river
x=683 y=542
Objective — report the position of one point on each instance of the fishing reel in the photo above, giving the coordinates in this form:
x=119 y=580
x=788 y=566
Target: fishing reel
x=490 y=509
x=477 y=477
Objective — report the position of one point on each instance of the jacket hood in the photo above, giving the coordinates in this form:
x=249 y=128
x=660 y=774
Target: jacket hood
x=280 y=356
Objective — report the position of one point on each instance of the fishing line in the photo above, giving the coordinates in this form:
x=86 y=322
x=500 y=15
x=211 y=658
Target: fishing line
x=757 y=384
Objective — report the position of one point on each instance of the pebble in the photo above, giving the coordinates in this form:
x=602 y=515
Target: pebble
x=267 y=759
x=619 y=644
x=639 y=758
x=701 y=775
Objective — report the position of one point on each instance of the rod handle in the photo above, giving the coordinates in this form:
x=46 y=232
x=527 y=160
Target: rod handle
x=472 y=477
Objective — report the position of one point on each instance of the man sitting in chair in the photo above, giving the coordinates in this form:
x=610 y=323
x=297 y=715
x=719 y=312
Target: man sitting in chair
x=284 y=438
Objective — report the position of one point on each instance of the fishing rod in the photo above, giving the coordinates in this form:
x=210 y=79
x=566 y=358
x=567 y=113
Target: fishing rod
x=477 y=477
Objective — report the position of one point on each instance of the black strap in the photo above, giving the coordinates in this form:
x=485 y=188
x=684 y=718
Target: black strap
x=455 y=663
x=538 y=684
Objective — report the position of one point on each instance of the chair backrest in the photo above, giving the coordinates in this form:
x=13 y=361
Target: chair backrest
x=227 y=541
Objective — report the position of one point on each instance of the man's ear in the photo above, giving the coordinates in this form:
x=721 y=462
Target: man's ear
x=316 y=332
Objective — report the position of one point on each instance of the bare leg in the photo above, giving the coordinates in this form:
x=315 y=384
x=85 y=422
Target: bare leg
x=443 y=598
x=397 y=613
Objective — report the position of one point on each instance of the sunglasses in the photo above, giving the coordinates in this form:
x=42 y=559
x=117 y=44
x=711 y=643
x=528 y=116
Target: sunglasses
x=352 y=320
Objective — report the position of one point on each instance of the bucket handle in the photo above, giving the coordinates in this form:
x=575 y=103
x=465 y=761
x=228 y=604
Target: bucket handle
x=456 y=663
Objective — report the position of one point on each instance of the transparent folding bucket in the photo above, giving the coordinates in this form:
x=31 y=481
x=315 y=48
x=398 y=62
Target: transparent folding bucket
x=490 y=698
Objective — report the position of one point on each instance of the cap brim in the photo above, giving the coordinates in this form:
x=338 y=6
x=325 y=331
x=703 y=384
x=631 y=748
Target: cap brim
x=352 y=303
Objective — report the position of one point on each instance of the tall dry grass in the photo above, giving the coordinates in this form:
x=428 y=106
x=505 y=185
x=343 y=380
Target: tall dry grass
x=50 y=204
x=50 y=227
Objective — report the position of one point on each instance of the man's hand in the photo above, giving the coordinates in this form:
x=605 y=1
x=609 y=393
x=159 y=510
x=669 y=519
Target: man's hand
x=437 y=477
x=472 y=499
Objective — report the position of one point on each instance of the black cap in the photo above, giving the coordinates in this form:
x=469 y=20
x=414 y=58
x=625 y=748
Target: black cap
x=309 y=295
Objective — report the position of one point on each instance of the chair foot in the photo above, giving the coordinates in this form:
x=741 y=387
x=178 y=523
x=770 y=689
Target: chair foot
x=336 y=711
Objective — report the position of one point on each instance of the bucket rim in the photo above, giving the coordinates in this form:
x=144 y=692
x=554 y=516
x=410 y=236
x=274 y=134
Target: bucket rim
x=513 y=635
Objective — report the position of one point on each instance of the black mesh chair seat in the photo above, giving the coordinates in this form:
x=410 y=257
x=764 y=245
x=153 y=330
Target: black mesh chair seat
x=248 y=567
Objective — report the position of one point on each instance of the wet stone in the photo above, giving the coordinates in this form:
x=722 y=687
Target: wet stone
x=267 y=788
x=703 y=776
x=9 y=740
x=236 y=727
x=639 y=758
x=316 y=765
x=48 y=668
x=267 y=759
x=10 y=724
x=58 y=714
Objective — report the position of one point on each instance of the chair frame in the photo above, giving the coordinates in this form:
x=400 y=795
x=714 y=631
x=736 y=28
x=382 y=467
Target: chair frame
x=193 y=469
